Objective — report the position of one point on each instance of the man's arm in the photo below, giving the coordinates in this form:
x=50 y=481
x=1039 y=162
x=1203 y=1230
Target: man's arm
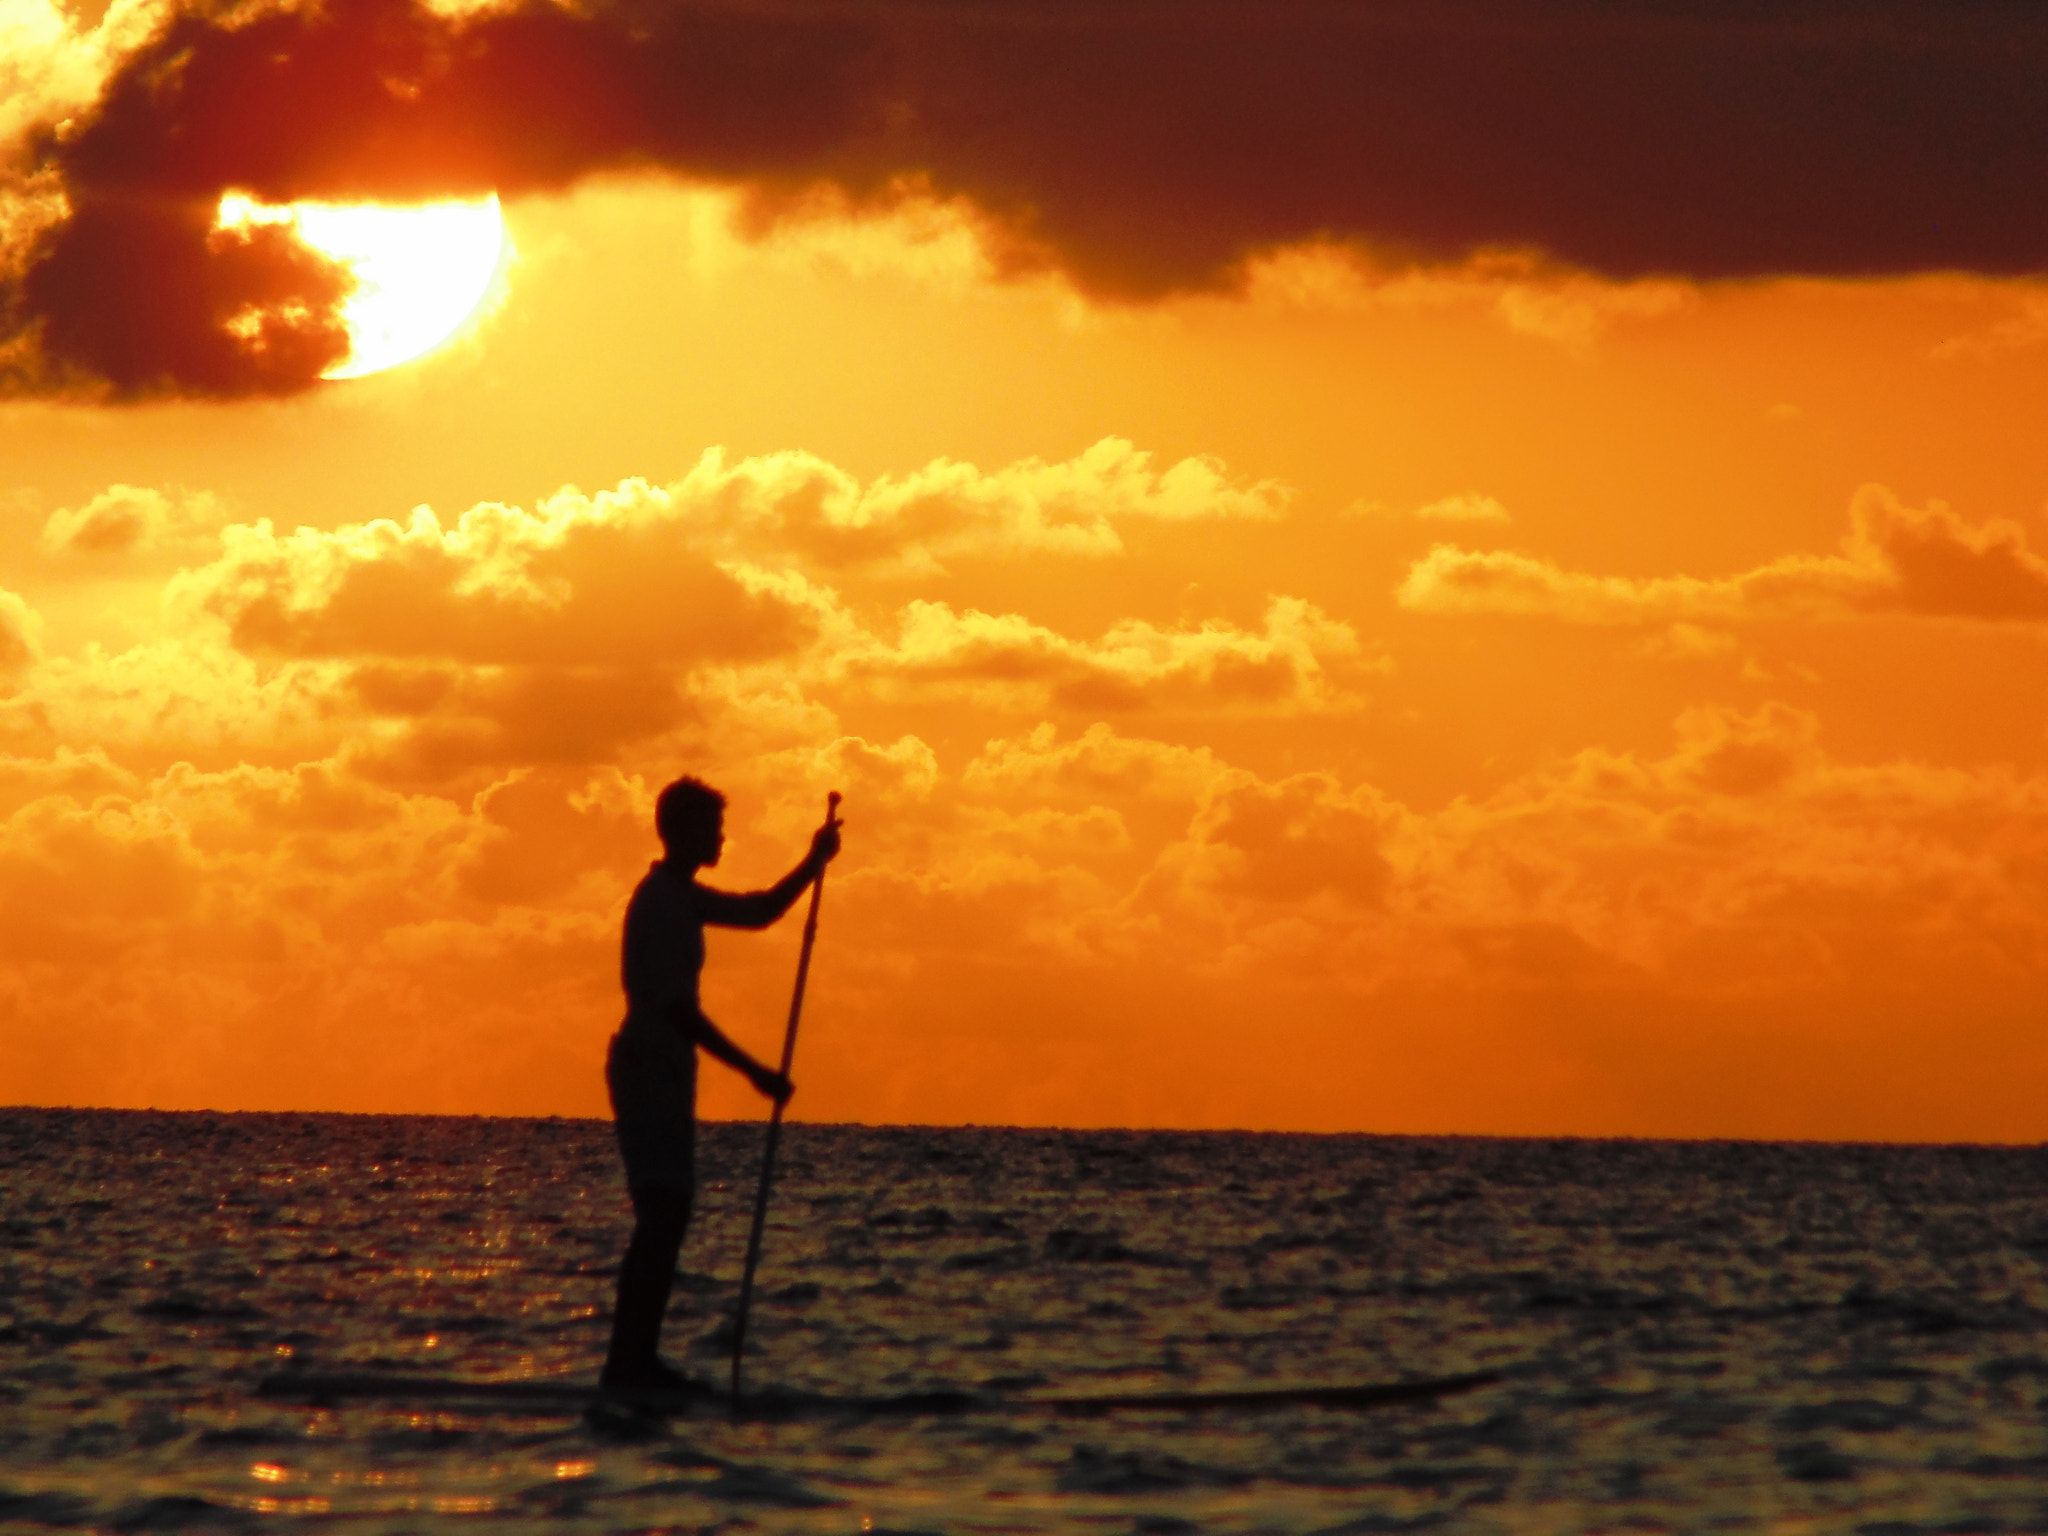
x=714 y=1040
x=757 y=909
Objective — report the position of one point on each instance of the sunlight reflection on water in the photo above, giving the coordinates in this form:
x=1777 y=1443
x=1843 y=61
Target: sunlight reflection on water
x=1690 y=1335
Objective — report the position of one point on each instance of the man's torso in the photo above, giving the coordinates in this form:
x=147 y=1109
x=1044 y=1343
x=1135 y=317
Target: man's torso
x=662 y=954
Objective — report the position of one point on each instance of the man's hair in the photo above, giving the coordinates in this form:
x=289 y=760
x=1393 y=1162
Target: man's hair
x=688 y=806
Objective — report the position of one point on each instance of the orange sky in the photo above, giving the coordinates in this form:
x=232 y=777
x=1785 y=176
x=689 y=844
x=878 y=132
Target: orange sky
x=1454 y=694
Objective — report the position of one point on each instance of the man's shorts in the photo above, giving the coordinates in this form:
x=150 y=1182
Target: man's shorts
x=652 y=1075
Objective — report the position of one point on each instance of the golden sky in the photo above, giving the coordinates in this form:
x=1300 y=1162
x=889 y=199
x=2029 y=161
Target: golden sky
x=1456 y=568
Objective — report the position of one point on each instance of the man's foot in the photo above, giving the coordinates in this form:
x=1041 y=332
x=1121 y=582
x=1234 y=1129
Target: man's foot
x=650 y=1381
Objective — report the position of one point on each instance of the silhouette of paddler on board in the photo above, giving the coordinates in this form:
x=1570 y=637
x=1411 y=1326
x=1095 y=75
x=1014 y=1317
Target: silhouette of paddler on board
x=651 y=1068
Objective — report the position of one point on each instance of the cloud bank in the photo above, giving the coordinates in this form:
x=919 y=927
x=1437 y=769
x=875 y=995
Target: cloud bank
x=1139 y=150
x=350 y=822
x=1923 y=563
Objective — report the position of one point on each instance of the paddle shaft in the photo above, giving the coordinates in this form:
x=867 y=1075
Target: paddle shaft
x=796 y=1008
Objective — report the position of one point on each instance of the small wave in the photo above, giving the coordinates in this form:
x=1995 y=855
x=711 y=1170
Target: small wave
x=1259 y=1298
x=1385 y=1525
x=1070 y=1245
x=1815 y=1461
x=1437 y=1477
x=759 y=1486
x=43 y=1508
x=433 y=1437
x=180 y=1512
x=1013 y=1257
x=1092 y=1469
x=186 y=1307
x=1859 y=1415
x=764 y=1486
x=53 y=1335
x=247 y=1437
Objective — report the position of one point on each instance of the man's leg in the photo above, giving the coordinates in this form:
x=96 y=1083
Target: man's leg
x=648 y=1076
x=646 y=1276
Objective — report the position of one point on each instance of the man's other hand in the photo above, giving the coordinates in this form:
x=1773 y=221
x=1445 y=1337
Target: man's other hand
x=825 y=845
x=772 y=1085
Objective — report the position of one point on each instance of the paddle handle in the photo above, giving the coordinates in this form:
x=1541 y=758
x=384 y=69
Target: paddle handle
x=796 y=1008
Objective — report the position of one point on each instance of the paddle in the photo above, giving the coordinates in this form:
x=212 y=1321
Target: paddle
x=796 y=1008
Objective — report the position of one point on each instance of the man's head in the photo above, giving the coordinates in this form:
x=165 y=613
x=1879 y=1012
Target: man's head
x=690 y=816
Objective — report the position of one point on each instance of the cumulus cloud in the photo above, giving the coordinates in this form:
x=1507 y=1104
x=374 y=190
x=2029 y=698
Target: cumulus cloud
x=1923 y=562
x=1742 y=868
x=1080 y=897
x=1450 y=580
x=606 y=583
x=729 y=532
x=438 y=724
x=188 y=694
x=402 y=769
x=1289 y=842
x=125 y=518
x=1743 y=861
x=21 y=630
x=432 y=651
x=1097 y=765
x=799 y=506
x=390 y=782
x=225 y=935
x=50 y=68
x=1941 y=566
x=1499 y=143
x=1748 y=859
x=1471 y=507
x=892 y=781
x=565 y=632
x=1300 y=661
x=80 y=775
x=1525 y=291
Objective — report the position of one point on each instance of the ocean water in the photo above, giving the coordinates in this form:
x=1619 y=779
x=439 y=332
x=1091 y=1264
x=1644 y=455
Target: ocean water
x=1689 y=1336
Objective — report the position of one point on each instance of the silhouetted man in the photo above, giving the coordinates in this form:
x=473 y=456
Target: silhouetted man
x=651 y=1068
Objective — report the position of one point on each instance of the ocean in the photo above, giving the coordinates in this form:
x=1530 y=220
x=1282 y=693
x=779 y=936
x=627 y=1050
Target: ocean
x=1687 y=1336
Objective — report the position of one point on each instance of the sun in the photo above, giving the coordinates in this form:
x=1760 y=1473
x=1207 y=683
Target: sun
x=422 y=272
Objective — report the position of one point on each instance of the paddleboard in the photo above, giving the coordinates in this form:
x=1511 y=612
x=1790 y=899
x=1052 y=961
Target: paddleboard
x=558 y=1394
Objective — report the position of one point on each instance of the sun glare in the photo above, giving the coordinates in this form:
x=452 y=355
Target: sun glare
x=421 y=272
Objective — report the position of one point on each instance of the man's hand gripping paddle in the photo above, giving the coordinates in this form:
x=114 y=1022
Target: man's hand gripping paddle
x=796 y=1008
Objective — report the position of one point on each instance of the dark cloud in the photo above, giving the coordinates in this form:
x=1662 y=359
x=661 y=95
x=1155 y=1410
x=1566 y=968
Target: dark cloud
x=1726 y=138
x=145 y=296
x=380 y=99
x=1141 y=147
